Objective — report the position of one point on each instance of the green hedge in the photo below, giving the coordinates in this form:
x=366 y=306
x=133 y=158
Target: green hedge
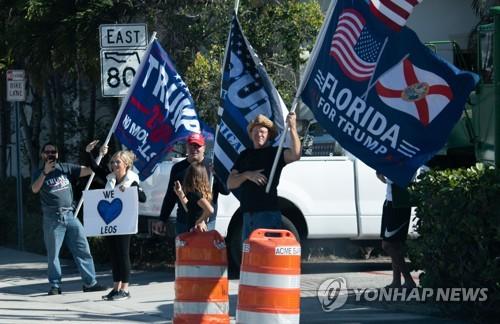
x=145 y=252
x=458 y=215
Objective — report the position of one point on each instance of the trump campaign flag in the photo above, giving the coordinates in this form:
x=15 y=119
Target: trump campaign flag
x=247 y=91
x=159 y=110
x=381 y=93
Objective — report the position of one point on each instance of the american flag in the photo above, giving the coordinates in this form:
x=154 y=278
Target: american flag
x=246 y=92
x=354 y=47
x=393 y=13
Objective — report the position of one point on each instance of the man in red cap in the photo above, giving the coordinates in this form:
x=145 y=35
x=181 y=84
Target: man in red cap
x=195 y=148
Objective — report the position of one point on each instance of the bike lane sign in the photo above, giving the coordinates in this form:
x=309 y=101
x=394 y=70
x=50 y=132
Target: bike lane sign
x=16 y=85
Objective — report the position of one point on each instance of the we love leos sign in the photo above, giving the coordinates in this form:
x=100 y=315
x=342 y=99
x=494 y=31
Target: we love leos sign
x=110 y=212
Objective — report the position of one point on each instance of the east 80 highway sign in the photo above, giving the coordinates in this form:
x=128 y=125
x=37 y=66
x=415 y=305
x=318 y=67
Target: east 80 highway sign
x=118 y=68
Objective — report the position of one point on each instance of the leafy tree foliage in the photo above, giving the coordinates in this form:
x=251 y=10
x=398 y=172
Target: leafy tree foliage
x=57 y=43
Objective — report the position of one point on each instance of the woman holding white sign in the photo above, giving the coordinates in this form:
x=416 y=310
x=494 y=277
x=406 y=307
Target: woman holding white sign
x=121 y=177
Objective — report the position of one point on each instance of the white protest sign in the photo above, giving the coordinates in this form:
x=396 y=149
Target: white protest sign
x=110 y=212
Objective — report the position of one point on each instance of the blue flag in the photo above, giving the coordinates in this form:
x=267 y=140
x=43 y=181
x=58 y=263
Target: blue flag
x=158 y=112
x=381 y=93
x=246 y=92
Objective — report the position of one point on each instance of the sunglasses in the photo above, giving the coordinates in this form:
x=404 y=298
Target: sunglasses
x=50 y=152
x=115 y=162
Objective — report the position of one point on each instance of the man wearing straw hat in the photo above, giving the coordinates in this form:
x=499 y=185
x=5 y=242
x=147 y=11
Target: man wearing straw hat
x=252 y=169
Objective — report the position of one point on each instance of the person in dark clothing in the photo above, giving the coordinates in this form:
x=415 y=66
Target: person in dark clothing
x=195 y=197
x=195 y=147
x=53 y=182
x=251 y=171
x=121 y=177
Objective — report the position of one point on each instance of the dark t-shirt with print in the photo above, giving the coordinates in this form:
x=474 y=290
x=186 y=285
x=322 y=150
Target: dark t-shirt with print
x=194 y=210
x=253 y=198
x=177 y=173
x=56 y=190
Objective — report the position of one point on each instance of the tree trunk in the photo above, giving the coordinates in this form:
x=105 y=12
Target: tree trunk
x=59 y=117
x=51 y=115
x=92 y=112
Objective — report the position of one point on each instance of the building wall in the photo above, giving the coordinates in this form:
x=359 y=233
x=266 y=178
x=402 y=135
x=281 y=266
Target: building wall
x=439 y=20
x=444 y=20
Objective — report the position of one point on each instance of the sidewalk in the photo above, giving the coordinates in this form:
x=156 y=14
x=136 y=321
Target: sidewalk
x=24 y=286
x=23 y=297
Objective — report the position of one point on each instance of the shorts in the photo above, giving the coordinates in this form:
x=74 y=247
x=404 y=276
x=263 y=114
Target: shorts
x=395 y=223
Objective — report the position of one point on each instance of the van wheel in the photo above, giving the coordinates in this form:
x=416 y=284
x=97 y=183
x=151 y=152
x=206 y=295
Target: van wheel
x=235 y=244
x=289 y=226
x=234 y=248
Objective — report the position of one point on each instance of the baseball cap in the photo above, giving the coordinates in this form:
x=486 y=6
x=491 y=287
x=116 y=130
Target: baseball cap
x=196 y=138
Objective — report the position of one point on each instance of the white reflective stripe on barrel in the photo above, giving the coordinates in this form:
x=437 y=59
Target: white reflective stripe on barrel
x=257 y=317
x=201 y=308
x=269 y=280
x=197 y=271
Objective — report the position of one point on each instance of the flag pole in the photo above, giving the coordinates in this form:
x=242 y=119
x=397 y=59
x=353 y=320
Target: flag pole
x=373 y=74
x=220 y=110
x=307 y=72
x=115 y=123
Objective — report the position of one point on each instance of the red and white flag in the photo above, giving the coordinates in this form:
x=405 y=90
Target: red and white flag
x=394 y=13
x=414 y=91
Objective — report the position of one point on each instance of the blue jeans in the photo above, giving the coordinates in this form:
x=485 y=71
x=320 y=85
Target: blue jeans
x=211 y=225
x=57 y=226
x=263 y=219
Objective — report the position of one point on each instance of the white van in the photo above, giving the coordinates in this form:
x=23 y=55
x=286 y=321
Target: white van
x=327 y=194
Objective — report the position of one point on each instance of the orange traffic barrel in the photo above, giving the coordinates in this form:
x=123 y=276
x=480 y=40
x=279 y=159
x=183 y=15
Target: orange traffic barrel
x=269 y=290
x=201 y=285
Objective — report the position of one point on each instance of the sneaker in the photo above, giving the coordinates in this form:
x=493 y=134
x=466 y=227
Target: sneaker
x=54 y=291
x=96 y=287
x=110 y=295
x=121 y=295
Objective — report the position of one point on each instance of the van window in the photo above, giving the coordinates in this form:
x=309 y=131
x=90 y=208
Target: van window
x=317 y=142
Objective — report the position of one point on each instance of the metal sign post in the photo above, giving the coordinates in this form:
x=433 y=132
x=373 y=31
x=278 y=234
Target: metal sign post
x=16 y=93
x=19 y=196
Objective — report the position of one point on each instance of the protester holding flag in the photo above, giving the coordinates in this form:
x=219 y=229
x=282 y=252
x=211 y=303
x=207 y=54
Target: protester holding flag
x=394 y=230
x=252 y=169
x=195 y=197
x=396 y=214
x=121 y=177
x=195 y=148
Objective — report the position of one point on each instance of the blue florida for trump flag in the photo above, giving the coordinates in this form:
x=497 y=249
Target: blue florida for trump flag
x=159 y=110
x=381 y=93
x=247 y=91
